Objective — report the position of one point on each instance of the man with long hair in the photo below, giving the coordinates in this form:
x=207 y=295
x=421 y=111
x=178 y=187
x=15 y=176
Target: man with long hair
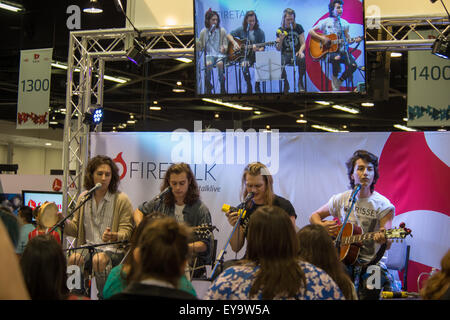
x=253 y=35
x=106 y=217
x=272 y=269
x=258 y=180
x=184 y=204
x=213 y=41
x=291 y=43
x=340 y=27
x=372 y=212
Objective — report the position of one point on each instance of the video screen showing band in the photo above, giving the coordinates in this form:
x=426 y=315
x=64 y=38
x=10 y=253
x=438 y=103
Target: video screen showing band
x=279 y=47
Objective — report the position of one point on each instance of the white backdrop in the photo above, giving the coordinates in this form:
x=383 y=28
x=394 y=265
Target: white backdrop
x=311 y=169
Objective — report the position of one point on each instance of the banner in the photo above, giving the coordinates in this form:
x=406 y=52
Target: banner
x=34 y=89
x=414 y=175
x=428 y=83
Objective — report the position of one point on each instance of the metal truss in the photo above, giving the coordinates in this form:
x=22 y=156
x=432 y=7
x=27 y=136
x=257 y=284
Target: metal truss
x=89 y=50
x=393 y=32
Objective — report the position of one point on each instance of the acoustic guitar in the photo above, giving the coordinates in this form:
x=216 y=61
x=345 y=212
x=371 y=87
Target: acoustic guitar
x=317 y=49
x=352 y=237
x=238 y=54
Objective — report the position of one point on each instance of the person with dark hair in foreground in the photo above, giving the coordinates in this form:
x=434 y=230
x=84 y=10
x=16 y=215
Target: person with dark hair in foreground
x=316 y=247
x=372 y=212
x=161 y=257
x=272 y=269
x=122 y=275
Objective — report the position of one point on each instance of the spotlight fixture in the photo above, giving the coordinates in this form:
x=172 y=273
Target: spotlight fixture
x=441 y=47
x=137 y=54
x=93 y=7
x=94 y=117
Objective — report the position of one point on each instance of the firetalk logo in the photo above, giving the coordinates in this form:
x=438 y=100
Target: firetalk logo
x=119 y=160
x=36 y=56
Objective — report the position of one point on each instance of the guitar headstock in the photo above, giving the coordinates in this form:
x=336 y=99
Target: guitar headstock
x=398 y=233
x=204 y=231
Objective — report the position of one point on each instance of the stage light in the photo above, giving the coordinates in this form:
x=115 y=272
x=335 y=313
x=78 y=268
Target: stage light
x=441 y=48
x=97 y=116
x=93 y=118
x=137 y=54
x=227 y=104
x=93 y=7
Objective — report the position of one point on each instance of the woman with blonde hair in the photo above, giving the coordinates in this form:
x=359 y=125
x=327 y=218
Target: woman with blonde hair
x=437 y=286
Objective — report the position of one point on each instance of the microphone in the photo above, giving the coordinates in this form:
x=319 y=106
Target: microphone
x=249 y=197
x=91 y=191
x=163 y=193
x=291 y=26
x=212 y=29
x=248 y=28
x=355 y=192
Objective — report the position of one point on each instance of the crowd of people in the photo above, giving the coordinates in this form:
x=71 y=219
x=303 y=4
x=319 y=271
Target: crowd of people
x=147 y=253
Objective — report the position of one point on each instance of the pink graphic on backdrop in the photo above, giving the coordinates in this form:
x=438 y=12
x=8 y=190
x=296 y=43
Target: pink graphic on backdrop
x=353 y=14
x=413 y=178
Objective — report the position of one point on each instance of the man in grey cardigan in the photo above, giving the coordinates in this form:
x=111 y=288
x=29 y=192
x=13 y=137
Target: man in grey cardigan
x=213 y=42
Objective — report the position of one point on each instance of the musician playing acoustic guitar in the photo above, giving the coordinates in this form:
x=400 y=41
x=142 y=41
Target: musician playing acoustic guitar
x=335 y=25
x=372 y=212
x=251 y=32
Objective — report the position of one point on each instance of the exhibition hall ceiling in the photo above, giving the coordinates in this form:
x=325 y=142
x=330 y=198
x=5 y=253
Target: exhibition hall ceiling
x=44 y=25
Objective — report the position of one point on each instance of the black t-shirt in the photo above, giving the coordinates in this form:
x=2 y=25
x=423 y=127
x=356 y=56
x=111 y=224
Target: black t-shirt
x=286 y=46
x=278 y=201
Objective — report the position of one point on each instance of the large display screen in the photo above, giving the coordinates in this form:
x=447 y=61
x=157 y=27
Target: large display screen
x=37 y=198
x=279 y=47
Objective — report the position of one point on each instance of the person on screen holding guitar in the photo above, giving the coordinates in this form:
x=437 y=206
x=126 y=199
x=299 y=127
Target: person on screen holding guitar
x=183 y=203
x=249 y=36
x=372 y=212
x=335 y=25
x=213 y=41
x=291 y=31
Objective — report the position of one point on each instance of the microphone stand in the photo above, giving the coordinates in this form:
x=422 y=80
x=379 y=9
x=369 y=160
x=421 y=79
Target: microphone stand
x=293 y=55
x=219 y=259
x=338 y=240
x=61 y=223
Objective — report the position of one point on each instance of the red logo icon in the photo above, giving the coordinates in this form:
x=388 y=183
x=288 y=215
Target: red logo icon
x=36 y=56
x=31 y=204
x=119 y=160
x=57 y=185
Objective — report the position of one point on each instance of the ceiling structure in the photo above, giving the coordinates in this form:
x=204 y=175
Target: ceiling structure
x=43 y=25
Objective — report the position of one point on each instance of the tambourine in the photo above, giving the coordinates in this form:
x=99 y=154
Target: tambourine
x=48 y=215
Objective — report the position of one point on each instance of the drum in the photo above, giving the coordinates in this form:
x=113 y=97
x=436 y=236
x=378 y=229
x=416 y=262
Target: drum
x=48 y=215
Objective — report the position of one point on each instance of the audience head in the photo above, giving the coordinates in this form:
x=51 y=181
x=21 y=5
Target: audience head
x=162 y=251
x=317 y=248
x=44 y=269
x=439 y=283
x=102 y=169
x=11 y=223
x=137 y=232
x=257 y=179
x=181 y=179
x=272 y=244
x=26 y=214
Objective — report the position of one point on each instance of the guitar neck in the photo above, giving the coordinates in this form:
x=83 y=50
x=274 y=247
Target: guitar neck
x=358 y=238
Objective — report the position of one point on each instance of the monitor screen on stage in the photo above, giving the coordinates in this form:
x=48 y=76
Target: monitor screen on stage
x=37 y=198
x=279 y=47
